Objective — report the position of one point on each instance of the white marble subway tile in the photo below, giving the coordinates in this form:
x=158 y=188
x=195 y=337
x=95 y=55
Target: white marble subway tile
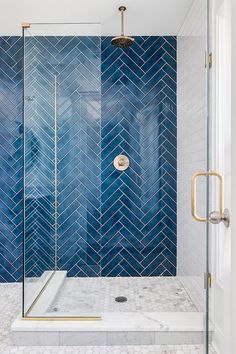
x=178 y=338
x=36 y=338
x=131 y=338
x=83 y=338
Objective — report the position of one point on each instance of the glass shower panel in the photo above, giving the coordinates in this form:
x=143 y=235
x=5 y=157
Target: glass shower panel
x=62 y=116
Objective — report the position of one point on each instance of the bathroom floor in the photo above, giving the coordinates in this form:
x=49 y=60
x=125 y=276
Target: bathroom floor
x=10 y=304
x=146 y=294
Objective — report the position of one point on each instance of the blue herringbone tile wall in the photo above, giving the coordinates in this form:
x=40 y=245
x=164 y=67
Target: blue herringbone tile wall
x=138 y=206
x=11 y=70
x=110 y=223
x=70 y=68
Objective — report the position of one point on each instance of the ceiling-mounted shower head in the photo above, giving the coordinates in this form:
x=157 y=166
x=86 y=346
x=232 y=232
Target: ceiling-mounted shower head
x=122 y=41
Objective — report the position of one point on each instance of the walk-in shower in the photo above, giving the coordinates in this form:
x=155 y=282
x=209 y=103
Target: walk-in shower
x=113 y=133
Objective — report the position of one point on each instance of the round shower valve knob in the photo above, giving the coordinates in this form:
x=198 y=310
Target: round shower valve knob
x=121 y=162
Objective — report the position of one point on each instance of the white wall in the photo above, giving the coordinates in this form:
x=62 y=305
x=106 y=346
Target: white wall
x=191 y=139
x=152 y=17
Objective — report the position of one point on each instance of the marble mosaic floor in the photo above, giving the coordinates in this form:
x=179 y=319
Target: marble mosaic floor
x=146 y=294
x=10 y=303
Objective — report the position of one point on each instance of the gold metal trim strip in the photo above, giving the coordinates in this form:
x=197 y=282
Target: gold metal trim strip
x=55 y=175
x=61 y=318
x=39 y=294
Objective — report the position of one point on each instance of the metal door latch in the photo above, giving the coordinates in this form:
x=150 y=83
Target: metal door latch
x=216 y=217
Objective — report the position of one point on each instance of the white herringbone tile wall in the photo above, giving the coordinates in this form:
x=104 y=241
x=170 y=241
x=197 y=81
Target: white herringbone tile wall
x=191 y=138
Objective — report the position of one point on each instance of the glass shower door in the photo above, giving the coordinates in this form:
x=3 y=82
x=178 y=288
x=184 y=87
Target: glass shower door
x=62 y=104
x=193 y=159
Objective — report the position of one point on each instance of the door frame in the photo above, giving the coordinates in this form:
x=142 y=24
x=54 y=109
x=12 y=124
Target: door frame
x=231 y=329
x=220 y=157
x=224 y=337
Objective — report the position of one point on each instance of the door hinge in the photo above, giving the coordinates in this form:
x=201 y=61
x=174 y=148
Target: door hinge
x=208 y=60
x=207 y=280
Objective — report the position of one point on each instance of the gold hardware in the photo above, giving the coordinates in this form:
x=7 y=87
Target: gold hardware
x=61 y=318
x=122 y=41
x=122 y=9
x=207 y=280
x=39 y=294
x=25 y=25
x=121 y=162
x=194 y=193
x=208 y=60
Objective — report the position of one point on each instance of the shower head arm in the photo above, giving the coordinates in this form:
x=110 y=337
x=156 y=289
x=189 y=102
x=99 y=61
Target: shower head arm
x=122 y=9
x=122 y=41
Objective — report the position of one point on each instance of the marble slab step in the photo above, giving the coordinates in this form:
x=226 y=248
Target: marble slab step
x=114 y=329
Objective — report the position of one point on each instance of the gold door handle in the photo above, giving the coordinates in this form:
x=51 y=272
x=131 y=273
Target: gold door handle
x=194 y=194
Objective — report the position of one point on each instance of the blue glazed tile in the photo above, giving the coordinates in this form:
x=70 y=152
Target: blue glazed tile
x=130 y=74
x=109 y=224
x=109 y=186
x=152 y=255
x=153 y=59
x=128 y=203
x=160 y=64
x=131 y=240
x=172 y=41
x=155 y=268
x=148 y=41
x=130 y=217
x=154 y=50
x=171 y=61
x=169 y=267
x=170 y=94
x=130 y=183
x=110 y=251
x=170 y=50
x=170 y=246
x=107 y=237
x=170 y=223
x=131 y=227
x=109 y=213
x=169 y=180
x=134 y=100
x=169 y=71
x=153 y=222
x=109 y=267
x=131 y=194
x=130 y=269
x=132 y=64
x=154 y=232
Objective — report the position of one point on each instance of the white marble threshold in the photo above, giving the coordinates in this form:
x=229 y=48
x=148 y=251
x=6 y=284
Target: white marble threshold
x=113 y=329
x=128 y=321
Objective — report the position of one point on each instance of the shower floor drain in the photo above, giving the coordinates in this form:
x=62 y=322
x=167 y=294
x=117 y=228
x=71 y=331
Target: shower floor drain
x=121 y=299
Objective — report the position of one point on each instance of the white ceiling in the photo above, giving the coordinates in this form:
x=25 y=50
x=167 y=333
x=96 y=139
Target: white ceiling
x=149 y=17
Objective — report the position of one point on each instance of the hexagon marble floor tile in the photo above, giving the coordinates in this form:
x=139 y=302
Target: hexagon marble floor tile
x=10 y=302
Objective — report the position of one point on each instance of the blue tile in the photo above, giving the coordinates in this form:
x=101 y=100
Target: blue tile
x=132 y=214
